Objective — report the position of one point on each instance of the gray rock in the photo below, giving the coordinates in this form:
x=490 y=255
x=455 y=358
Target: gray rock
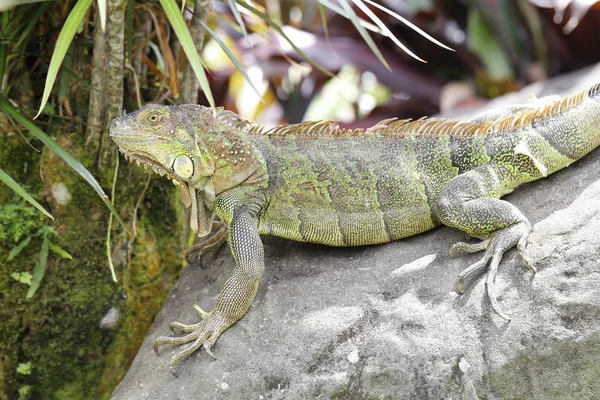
x=386 y=322
x=110 y=319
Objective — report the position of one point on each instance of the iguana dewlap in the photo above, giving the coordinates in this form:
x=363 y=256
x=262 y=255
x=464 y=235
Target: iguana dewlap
x=318 y=183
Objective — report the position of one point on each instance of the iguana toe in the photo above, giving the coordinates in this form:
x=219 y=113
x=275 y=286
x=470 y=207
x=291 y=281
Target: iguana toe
x=203 y=334
x=182 y=327
x=495 y=246
x=461 y=248
x=173 y=340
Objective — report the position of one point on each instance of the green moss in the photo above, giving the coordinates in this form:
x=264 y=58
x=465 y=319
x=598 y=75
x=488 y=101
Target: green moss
x=58 y=330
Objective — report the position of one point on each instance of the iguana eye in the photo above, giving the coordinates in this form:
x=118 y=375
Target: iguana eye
x=153 y=118
x=184 y=167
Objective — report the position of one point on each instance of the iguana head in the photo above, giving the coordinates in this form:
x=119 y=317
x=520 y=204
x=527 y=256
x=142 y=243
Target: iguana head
x=157 y=136
x=161 y=137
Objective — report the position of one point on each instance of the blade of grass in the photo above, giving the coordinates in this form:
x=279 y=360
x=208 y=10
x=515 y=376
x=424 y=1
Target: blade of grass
x=59 y=250
x=39 y=270
x=238 y=17
x=187 y=43
x=28 y=141
x=231 y=23
x=323 y=14
x=385 y=29
x=409 y=24
x=278 y=29
x=356 y=22
x=11 y=23
x=64 y=78
x=11 y=183
x=63 y=42
x=233 y=59
x=18 y=248
x=6 y=107
x=3 y=53
x=32 y=22
x=111 y=266
x=4 y=19
x=338 y=10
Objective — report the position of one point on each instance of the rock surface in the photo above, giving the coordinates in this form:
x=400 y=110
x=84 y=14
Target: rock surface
x=386 y=322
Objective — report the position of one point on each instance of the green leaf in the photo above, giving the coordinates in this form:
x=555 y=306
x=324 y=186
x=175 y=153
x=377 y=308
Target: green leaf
x=18 y=248
x=324 y=20
x=333 y=7
x=64 y=78
x=356 y=22
x=238 y=17
x=6 y=107
x=58 y=250
x=187 y=43
x=276 y=27
x=22 y=277
x=40 y=9
x=39 y=270
x=409 y=24
x=484 y=43
x=62 y=45
x=4 y=177
x=25 y=392
x=385 y=29
x=25 y=368
x=3 y=53
x=233 y=59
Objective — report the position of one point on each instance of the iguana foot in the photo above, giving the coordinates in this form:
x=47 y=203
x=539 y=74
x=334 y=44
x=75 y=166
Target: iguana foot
x=495 y=246
x=210 y=243
x=461 y=248
x=203 y=334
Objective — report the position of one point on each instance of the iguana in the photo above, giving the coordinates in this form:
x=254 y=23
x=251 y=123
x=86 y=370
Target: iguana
x=316 y=182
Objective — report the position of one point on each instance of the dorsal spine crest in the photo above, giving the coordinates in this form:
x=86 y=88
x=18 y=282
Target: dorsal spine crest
x=422 y=127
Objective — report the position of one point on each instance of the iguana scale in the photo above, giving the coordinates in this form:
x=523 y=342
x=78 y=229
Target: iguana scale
x=316 y=182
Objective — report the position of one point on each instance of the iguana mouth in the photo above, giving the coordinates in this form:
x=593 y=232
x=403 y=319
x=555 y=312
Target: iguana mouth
x=145 y=161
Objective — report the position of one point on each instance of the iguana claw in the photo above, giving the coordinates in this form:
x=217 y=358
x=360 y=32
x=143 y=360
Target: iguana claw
x=461 y=248
x=203 y=334
x=495 y=246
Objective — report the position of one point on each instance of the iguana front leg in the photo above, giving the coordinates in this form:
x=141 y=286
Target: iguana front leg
x=470 y=202
x=239 y=290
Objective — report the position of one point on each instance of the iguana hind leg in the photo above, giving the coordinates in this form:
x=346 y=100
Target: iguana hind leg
x=470 y=202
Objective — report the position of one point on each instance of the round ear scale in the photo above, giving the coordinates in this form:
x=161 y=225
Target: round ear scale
x=184 y=167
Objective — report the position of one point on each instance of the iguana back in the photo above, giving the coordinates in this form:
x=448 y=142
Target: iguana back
x=349 y=188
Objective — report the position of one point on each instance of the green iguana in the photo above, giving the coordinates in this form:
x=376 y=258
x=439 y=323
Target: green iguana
x=315 y=182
